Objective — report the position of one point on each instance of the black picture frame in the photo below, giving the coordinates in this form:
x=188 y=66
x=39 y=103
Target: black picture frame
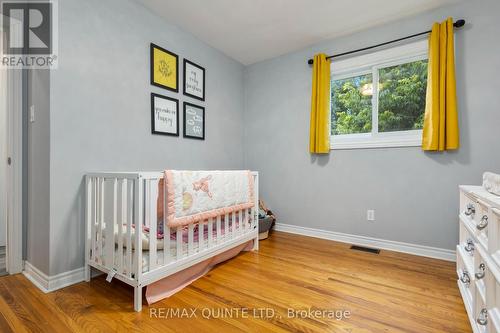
x=184 y=123
x=153 y=127
x=151 y=68
x=185 y=62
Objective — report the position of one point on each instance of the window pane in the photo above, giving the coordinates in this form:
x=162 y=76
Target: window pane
x=352 y=105
x=402 y=97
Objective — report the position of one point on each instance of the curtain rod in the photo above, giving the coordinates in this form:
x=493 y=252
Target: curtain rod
x=457 y=24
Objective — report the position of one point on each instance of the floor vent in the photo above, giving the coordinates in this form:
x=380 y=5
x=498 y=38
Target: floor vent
x=365 y=249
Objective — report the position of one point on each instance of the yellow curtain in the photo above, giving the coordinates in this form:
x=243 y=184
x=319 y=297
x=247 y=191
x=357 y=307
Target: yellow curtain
x=319 y=132
x=441 y=116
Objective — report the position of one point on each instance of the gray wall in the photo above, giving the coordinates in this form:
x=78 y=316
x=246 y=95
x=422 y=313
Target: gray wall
x=100 y=121
x=38 y=170
x=100 y=109
x=415 y=194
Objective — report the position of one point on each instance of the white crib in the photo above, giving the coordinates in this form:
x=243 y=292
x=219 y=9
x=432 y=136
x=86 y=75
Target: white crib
x=117 y=202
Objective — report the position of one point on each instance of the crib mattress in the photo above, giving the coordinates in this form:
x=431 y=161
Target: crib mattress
x=145 y=256
x=160 y=258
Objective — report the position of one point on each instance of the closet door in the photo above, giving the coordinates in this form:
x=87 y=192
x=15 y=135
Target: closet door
x=3 y=161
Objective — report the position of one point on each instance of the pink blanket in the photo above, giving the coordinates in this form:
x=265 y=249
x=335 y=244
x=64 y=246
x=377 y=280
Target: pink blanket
x=170 y=285
x=195 y=196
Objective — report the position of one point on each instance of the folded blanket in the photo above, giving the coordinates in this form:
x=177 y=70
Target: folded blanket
x=194 y=196
x=491 y=182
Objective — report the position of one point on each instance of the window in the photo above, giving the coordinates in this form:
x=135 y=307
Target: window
x=378 y=99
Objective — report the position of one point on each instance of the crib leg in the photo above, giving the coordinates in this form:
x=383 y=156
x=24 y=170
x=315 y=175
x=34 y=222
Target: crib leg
x=256 y=243
x=87 y=273
x=138 y=299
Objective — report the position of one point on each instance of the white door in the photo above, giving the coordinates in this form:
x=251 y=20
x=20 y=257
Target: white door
x=3 y=155
x=11 y=181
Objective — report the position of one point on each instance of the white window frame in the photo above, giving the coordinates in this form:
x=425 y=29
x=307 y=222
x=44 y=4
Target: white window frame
x=371 y=64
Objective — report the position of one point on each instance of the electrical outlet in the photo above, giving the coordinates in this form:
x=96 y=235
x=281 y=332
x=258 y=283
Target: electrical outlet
x=370 y=215
x=32 y=114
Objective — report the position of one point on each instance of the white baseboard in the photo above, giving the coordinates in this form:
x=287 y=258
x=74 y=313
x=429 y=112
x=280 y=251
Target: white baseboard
x=50 y=283
x=419 y=250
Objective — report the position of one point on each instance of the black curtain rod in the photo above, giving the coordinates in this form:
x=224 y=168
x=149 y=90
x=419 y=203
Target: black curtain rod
x=457 y=24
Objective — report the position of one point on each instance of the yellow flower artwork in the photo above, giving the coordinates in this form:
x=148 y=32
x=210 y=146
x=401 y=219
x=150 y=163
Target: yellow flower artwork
x=164 y=68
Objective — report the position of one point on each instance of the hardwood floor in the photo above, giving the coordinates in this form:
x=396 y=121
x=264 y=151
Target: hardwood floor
x=388 y=292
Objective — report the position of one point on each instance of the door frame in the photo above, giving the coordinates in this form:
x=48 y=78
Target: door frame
x=14 y=177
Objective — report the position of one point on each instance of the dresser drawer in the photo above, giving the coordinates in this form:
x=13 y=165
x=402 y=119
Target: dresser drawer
x=480 y=271
x=483 y=221
x=466 y=282
x=468 y=206
x=492 y=285
x=494 y=235
x=467 y=245
x=481 y=315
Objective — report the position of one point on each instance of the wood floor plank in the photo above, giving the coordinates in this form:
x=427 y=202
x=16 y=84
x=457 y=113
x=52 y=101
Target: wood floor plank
x=291 y=274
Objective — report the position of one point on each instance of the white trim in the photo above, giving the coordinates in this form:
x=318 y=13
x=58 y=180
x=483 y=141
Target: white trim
x=378 y=140
x=419 y=250
x=371 y=64
x=14 y=171
x=51 y=283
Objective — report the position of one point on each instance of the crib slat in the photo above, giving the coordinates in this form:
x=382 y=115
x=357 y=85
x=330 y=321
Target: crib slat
x=244 y=224
x=88 y=224
x=240 y=222
x=250 y=219
x=226 y=226
x=101 y=217
x=121 y=218
x=130 y=212
x=166 y=230
x=191 y=239
x=138 y=220
x=93 y=218
x=167 y=257
x=202 y=235
x=178 y=237
x=210 y=232
x=219 y=232
x=98 y=219
x=110 y=241
x=233 y=222
x=151 y=204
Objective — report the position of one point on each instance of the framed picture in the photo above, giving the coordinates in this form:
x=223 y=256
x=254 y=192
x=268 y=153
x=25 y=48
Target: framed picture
x=194 y=80
x=164 y=115
x=194 y=121
x=164 y=68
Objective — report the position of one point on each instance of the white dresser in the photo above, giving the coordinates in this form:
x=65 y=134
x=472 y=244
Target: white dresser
x=478 y=257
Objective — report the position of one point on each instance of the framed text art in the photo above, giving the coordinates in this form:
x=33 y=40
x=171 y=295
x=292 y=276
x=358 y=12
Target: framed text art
x=194 y=121
x=194 y=80
x=164 y=68
x=164 y=115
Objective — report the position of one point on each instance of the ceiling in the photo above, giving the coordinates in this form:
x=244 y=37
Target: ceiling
x=254 y=30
